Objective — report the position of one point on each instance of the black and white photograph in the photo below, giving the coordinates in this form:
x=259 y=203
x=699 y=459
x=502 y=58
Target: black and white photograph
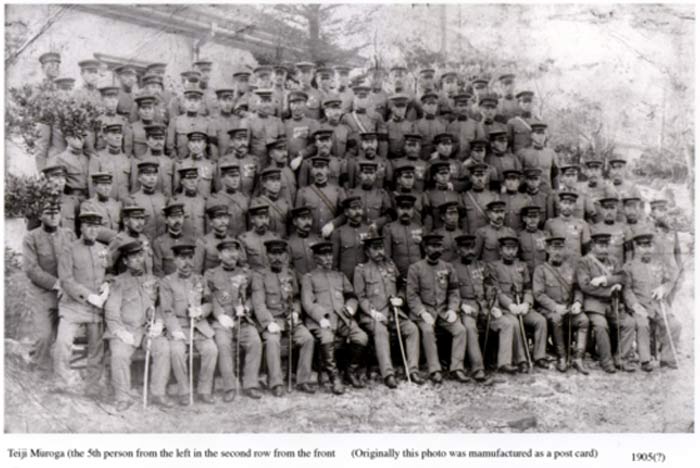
x=313 y=218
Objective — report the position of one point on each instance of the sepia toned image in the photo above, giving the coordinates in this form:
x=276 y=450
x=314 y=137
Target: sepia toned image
x=343 y=218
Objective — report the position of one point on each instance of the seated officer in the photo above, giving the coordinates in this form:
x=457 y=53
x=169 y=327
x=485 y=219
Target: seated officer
x=231 y=291
x=432 y=293
x=649 y=280
x=330 y=304
x=132 y=321
x=184 y=298
x=555 y=291
x=276 y=297
x=375 y=284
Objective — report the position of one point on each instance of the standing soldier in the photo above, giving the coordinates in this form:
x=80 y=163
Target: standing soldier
x=153 y=85
x=330 y=304
x=271 y=179
x=107 y=207
x=127 y=79
x=50 y=65
x=597 y=187
x=113 y=161
x=532 y=238
x=369 y=143
x=634 y=222
x=488 y=247
x=134 y=220
x=263 y=126
x=231 y=196
x=301 y=239
x=519 y=129
x=276 y=305
x=221 y=123
x=403 y=237
x=279 y=160
x=487 y=109
x=575 y=231
x=299 y=128
x=476 y=199
x=622 y=186
x=397 y=126
x=405 y=178
x=450 y=231
x=195 y=204
x=155 y=139
x=41 y=248
x=666 y=244
x=163 y=255
x=305 y=73
x=473 y=278
x=323 y=198
x=508 y=105
x=88 y=92
x=515 y=295
x=337 y=165
x=347 y=239
x=253 y=241
x=610 y=225
x=342 y=77
x=183 y=125
x=75 y=162
x=599 y=277
x=206 y=169
x=363 y=120
x=210 y=103
x=515 y=201
x=648 y=282
x=432 y=293
x=206 y=253
x=241 y=82
x=184 y=303
x=568 y=182
x=441 y=193
x=555 y=292
x=376 y=205
x=411 y=158
x=463 y=129
x=499 y=157
x=538 y=156
x=376 y=285
x=81 y=270
x=231 y=291
x=152 y=200
x=533 y=189
x=132 y=321
x=136 y=143
x=248 y=165
x=111 y=117
x=429 y=126
x=341 y=132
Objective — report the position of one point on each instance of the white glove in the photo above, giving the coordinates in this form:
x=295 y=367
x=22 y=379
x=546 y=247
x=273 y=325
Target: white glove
x=295 y=318
x=451 y=316
x=427 y=318
x=195 y=312
x=225 y=321
x=156 y=329
x=95 y=300
x=178 y=335
x=658 y=293
x=126 y=337
x=576 y=308
x=396 y=301
x=296 y=162
x=640 y=310
x=467 y=309
x=524 y=308
x=240 y=310
x=327 y=230
x=450 y=186
x=496 y=312
x=616 y=287
x=324 y=323
x=599 y=281
x=273 y=328
x=349 y=311
x=377 y=316
x=514 y=308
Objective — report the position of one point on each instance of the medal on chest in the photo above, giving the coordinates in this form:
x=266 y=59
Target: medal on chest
x=417 y=235
x=442 y=277
x=249 y=170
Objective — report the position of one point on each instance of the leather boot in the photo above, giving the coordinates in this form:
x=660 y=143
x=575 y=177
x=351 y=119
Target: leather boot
x=356 y=353
x=328 y=363
x=577 y=361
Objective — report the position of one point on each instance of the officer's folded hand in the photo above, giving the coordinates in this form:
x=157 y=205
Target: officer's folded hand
x=641 y=311
x=450 y=186
x=377 y=316
x=324 y=323
x=450 y=316
x=658 y=293
x=327 y=230
x=496 y=312
x=156 y=329
x=524 y=308
x=126 y=337
x=178 y=335
x=396 y=301
x=348 y=311
x=225 y=321
x=295 y=318
x=273 y=328
x=560 y=309
x=599 y=281
x=467 y=309
x=195 y=312
x=514 y=309
x=616 y=287
x=95 y=300
x=296 y=162
x=427 y=318
x=240 y=310
x=576 y=308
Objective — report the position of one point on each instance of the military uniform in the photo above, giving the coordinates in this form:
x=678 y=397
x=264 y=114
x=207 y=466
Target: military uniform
x=544 y=159
x=464 y=130
x=519 y=130
x=575 y=231
x=364 y=122
x=248 y=167
x=77 y=169
x=487 y=246
x=205 y=174
x=324 y=202
x=263 y=130
x=179 y=128
x=166 y=173
x=110 y=211
x=218 y=131
x=475 y=203
x=432 y=199
x=279 y=212
x=617 y=231
x=515 y=202
x=337 y=168
x=237 y=204
x=253 y=243
x=421 y=171
x=402 y=244
x=532 y=248
x=347 y=247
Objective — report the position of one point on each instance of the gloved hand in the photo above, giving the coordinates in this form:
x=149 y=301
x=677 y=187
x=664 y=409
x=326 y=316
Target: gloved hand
x=427 y=318
x=658 y=293
x=295 y=318
x=560 y=309
x=576 y=308
x=396 y=301
x=195 y=312
x=496 y=312
x=240 y=310
x=450 y=186
x=296 y=162
x=273 y=328
x=178 y=335
x=377 y=316
x=514 y=308
x=327 y=230
x=226 y=321
x=324 y=323
x=599 y=281
x=450 y=316
x=126 y=337
x=616 y=287
x=348 y=311
x=524 y=308
x=95 y=300
x=467 y=309
x=640 y=310
x=156 y=329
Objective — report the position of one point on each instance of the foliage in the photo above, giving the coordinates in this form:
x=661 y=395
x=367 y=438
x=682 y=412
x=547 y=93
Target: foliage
x=13 y=261
x=25 y=196
x=661 y=164
x=29 y=105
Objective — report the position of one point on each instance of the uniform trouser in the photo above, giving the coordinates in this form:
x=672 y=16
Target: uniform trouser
x=506 y=326
x=63 y=349
x=536 y=322
x=476 y=360
x=666 y=353
x=301 y=339
x=599 y=323
x=121 y=366
x=44 y=325
x=640 y=325
x=352 y=332
x=250 y=344
x=381 y=338
x=459 y=344
x=579 y=322
x=626 y=328
x=180 y=365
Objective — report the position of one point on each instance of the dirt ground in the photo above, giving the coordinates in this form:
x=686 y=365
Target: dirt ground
x=545 y=401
